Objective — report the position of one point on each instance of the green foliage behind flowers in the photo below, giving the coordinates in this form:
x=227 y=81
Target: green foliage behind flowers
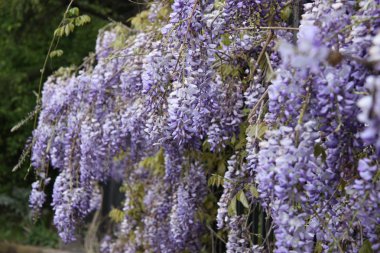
x=17 y=224
x=26 y=28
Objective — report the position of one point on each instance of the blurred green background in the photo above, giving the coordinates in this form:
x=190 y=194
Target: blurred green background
x=26 y=28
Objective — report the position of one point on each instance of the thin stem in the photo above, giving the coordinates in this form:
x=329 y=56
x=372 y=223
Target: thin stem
x=328 y=230
x=187 y=33
x=46 y=60
x=268 y=28
x=251 y=114
x=262 y=53
x=214 y=233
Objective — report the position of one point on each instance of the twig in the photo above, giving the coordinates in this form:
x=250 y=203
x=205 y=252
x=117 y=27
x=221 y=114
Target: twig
x=187 y=33
x=214 y=233
x=268 y=28
x=27 y=118
x=302 y=114
x=26 y=151
x=91 y=243
x=262 y=53
x=328 y=230
x=251 y=113
x=47 y=58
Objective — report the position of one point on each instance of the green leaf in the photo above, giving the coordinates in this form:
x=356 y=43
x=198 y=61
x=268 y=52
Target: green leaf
x=233 y=139
x=232 y=207
x=320 y=151
x=242 y=198
x=221 y=167
x=366 y=247
x=215 y=180
x=163 y=13
x=229 y=70
x=318 y=247
x=240 y=144
x=73 y=12
x=211 y=181
x=241 y=140
x=156 y=162
x=285 y=13
x=71 y=27
x=206 y=145
x=246 y=111
x=244 y=154
x=226 y=39
x=68 y=28
x=116 y=215
x=56 y=53
x=253 y=191
x=60 y=31
x=269 y=74
x=257 y=131
x=377 y=176
x=141 y=20
x=82 y=20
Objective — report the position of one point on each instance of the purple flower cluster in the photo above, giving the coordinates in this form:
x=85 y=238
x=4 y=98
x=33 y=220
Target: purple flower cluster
x=237 y=237
x=287 y=177
x=184 y=228
x=369 y=104
x=365 y=200
x=37 y=198
x=157 y=107
x=229 y=191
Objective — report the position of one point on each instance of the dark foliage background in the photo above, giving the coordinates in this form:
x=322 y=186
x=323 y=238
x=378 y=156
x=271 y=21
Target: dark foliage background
x=26 y=28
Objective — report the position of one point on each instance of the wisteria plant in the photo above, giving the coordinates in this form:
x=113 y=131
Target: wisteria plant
x=234 y=126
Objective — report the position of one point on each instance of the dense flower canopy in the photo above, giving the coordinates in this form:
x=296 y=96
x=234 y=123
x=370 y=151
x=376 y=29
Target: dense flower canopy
x=281 y=119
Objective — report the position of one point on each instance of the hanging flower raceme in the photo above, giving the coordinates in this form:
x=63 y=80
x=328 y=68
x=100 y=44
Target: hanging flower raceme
x=282 y=120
